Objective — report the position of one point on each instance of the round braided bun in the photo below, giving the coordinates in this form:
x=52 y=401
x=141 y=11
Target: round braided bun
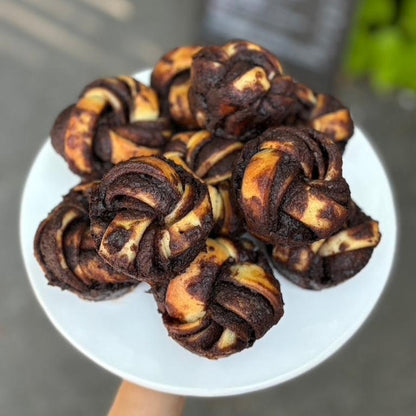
x=289 y=186
x=238 y=90
x=150 y=218
x=330 y=261
x=66 y=251
x=225 y=300
x=114 y=120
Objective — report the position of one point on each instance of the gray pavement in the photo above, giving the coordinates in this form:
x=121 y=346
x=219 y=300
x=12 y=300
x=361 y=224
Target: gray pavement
x=48 y=50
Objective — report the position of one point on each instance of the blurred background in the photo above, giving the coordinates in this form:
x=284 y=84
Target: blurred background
x=362 y=51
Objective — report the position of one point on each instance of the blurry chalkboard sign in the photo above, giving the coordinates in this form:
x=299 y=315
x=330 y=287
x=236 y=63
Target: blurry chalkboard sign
x=307 y=35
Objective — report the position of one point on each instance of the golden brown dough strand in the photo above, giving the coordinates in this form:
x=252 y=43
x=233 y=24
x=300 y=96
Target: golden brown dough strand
x=114 y=120
x=171 y=80
x=330 y=261
x=210 y=158
x=150 y=218
x=289 y=186
x=66 y=252
x=225 y=300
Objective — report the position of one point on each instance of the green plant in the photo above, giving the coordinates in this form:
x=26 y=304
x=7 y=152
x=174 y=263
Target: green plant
x=383 y=44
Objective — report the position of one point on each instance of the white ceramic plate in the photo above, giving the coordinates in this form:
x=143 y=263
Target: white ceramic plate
x=127 y=337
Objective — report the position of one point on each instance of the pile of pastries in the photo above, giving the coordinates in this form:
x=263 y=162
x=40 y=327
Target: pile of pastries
x=195 y=183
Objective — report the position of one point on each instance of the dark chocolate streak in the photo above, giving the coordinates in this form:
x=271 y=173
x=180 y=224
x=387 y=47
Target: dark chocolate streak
x=138 y=192
x=310 y=165
x=322 y=272
x=71 y=244
x=229 y=307
x=112 y=130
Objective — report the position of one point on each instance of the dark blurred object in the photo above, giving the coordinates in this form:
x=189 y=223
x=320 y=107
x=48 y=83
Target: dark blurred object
x=383 y=44
x=308 y=35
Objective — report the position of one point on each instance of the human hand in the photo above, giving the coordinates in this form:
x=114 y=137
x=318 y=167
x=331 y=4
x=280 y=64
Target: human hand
x=133 y=400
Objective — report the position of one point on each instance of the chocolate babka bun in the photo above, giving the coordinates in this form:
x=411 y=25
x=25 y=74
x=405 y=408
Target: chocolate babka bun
x=323 y=113
x=210 y=158
x=223 y=302
x=66 y=252
x=328 y=115
x=114 y=120
x=330 y=261
x=238 y=90
x=171 y=80
x=289 y=187
x=150 y=218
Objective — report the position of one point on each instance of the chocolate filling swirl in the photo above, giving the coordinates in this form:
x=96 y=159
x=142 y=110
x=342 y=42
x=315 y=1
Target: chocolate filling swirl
x=150 y=218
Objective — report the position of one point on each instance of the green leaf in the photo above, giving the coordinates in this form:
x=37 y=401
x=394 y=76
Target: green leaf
x=407 y=64
x=389 y=47
x=408 y=18
x=358 y=58
x=376 y=12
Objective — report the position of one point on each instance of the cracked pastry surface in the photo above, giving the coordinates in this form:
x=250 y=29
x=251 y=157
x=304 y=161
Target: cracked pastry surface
x=113 y=120
x=225 y=300
x=66 y=252
x=150 y=218
x=330 y=261
x=289 y=186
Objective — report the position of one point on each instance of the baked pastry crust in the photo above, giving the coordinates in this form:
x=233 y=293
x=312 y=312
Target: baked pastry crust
x=171 y=79
x=150 y=218
x=66 y=252
x=237 y=90
x=330 y=261
x=113 y=120
x=210 y=158
x=289 y=186
x=225 y=300
x=323 y=113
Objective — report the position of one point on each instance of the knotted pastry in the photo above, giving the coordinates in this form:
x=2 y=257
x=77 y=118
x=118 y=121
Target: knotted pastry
x=330 y=116
x=210 y=158
x=66 y=252
x=114 y=120
x=330 y=261
x=150 y=218
x=289 y=186
x=238 y=90
x=225 y=300
x=171 y=80
x=323 y=113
